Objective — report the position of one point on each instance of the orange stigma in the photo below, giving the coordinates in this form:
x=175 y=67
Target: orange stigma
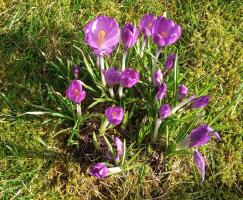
x=149 y=25
x=76 y=92
x=164 y=34
x=101 y=37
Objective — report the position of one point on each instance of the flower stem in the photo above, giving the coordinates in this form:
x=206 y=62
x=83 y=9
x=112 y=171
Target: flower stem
x=102 y=68
x=156 y=129
x=79 y=112
x=124 y=55
x=180 y=105
x=98 y=62
x=145 y=39
x=156 y=58
x=104 y=126
x=111 y=92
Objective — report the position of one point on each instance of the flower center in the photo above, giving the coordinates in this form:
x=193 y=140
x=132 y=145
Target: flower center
x=113 y=114
x=149 y=25
x=76 y=92
x=164 y=34
x=101 y=37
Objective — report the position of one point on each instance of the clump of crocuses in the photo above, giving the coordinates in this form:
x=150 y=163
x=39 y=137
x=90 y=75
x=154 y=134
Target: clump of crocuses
x=103 y=35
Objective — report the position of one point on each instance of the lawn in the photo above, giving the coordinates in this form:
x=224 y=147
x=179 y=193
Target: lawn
x=40 y=41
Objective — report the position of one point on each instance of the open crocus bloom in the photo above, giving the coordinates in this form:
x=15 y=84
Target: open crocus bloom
x=112 y=76
x=170 y=61
x=129 y=35
x=162 y=92
x=200 y=163
x=157 y=78
x=102 y=34
x=182 y=92
x=75 y=92
x=146 y=24
x=200 y=102
x=129 y=77
x=114 y=115
x=99 y=170
x=165 y=32
x=201 y=135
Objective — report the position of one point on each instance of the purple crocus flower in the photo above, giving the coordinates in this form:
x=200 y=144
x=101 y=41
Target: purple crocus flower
x=182 y=92
x=99 y=170
x=165 y=32
x=164 y=111
x=114 y=114
x=75 y=92
x=129 y=77
x=200 y=163
x=146 y=24
x=112 y=76
x=201 y=135
x=200 y=102
x=129 y=35
x=162 y=92
x=170 y=61
x=157 y=78
x=102 y=34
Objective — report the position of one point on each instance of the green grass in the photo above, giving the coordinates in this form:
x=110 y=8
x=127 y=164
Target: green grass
x=38 y=45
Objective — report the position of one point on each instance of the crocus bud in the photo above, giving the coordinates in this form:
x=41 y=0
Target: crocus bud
x=129 y=35
x=164 y=111
x=200 y=163
x=75 y=92
x=119 y=146
x=170 y=61
x=112 y=76
x=146 y=24
x=182 y=92
x=200 y=102
x=99 y=170
x=75 y=71
x=114 y=115
x=162 y=92
x=129 y=77
x=157 y=78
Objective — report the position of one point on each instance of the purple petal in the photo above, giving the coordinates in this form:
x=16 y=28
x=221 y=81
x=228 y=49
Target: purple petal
x=212 y=132
x=129 y=77
x=164 y=111
x=99 y=170
x=162 y=92
x=200 y=102
x=199 y=136
x=114 y=114
x=200 y=163
x=146 y=24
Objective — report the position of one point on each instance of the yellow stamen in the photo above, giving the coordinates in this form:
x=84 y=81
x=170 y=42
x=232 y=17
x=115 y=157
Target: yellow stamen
x=164 y=34
x=101 y=37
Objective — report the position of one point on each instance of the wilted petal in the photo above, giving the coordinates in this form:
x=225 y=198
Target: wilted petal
x=200 y=163
x=200 y=102
x=199 y=136
x=99 y=170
